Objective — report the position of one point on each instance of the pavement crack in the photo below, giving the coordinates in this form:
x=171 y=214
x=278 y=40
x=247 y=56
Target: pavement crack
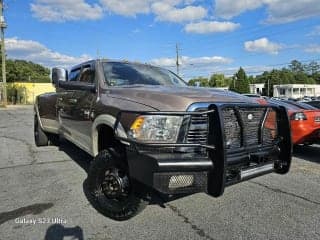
x=285 y=192
x=186 y=220
x=33 y=164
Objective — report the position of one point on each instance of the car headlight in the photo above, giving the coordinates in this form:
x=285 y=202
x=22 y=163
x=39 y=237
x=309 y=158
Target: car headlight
x=156 y=128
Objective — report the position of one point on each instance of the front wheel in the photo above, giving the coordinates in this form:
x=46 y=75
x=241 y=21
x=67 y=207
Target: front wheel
x=112 y=189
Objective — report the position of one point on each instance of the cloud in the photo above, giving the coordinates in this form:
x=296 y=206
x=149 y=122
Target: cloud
x=36 y=52
x=282 y=12
x=211 y=27
x=127 y=8
x=166 y=12
x=186 y=61
x=66 y=10
x=315 y=31
x=313 y=48
x=72 y=10
x=262 y=45
x=229 y=8
x=278 y=11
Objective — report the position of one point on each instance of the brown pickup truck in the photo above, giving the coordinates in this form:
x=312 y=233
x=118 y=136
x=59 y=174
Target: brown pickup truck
x=148 y=131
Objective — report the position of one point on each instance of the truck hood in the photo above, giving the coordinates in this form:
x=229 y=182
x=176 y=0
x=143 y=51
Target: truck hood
x=171 y=98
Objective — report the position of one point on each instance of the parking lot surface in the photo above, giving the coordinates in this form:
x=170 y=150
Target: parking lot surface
x=42 y=197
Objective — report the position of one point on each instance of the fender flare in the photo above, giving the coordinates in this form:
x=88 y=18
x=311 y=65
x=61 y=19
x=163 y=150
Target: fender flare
x=36 y=111
x=108 y=120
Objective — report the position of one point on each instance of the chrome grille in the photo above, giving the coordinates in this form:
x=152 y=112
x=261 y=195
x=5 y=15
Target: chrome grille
x=198 y=130
x=250 y=131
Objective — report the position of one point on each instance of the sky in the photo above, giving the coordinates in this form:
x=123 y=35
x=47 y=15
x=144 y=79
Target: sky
x=214 y=36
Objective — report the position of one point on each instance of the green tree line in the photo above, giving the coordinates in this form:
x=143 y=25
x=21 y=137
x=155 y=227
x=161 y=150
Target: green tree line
x=24 y=71
x=294 y=73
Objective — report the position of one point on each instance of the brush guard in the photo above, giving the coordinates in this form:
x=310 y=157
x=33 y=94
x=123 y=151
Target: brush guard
x=221 y=171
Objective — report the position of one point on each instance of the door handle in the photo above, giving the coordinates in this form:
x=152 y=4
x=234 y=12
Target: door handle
x=73 y=100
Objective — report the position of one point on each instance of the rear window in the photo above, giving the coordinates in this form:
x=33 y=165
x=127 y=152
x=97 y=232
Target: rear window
x=285 y=104
x=302 y=105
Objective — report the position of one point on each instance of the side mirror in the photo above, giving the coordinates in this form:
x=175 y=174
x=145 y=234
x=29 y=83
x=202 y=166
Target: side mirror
x=58 y=74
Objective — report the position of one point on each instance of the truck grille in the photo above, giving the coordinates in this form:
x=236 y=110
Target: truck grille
x=198 y=130
x=251 y=120
x=241 y=126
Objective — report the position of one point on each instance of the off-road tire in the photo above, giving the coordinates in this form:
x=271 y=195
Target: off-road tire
x=115 y=209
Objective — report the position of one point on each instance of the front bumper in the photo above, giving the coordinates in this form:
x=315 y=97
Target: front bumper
x=216 y=169
x=159 y=170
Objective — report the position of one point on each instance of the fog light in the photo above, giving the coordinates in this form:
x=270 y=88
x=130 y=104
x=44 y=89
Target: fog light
x=180 y=181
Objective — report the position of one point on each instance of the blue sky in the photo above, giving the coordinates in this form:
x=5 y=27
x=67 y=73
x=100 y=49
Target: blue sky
x=212 y=36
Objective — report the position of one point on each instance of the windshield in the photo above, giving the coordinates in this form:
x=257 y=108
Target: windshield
x=122 y=74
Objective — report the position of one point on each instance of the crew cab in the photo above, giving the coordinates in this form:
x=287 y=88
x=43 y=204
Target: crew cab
x=148 y=131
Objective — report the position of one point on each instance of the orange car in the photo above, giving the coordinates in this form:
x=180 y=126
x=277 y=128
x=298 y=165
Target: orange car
x=305 y=122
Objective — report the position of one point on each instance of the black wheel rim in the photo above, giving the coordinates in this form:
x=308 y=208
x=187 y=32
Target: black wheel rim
x=115 y=184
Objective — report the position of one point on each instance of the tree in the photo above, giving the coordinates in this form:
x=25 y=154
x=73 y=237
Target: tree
x=295 y=66
x=218 y=80
x=22 y=71
x=312 y=68
x=199 y=81
x=240 y=82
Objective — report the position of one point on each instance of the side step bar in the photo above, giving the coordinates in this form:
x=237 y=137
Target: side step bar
x=257 y=171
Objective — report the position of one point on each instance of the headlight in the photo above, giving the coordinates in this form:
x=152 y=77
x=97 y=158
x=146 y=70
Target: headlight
x=156 y=128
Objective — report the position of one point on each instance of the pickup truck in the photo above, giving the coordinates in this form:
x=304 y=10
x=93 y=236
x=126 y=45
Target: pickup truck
x=146 y=130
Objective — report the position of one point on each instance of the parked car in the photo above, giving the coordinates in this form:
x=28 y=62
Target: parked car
x=256 y=97
x=315 y=104
x=305 y=121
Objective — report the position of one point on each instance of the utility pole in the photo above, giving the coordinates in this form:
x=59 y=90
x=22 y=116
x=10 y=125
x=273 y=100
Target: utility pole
x=177 y=58
x=3 y=25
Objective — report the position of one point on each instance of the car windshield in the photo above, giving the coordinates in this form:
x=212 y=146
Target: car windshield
x=124 y=74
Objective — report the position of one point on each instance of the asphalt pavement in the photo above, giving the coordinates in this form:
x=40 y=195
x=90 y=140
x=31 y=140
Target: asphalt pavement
x=42 y=197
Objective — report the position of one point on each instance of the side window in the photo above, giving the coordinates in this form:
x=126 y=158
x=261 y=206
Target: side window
x=87 y=75
x=74 y=74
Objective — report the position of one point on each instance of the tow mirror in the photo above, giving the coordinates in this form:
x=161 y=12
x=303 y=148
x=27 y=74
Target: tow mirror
x=58 y=74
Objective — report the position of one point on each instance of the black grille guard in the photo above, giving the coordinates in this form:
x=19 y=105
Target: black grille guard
x=213 y=111
x=216 y=140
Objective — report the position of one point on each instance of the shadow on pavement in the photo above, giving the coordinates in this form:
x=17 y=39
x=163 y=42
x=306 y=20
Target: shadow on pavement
x=58 y=232
x=308 y=153
x=76 y=154
x=33 y=209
